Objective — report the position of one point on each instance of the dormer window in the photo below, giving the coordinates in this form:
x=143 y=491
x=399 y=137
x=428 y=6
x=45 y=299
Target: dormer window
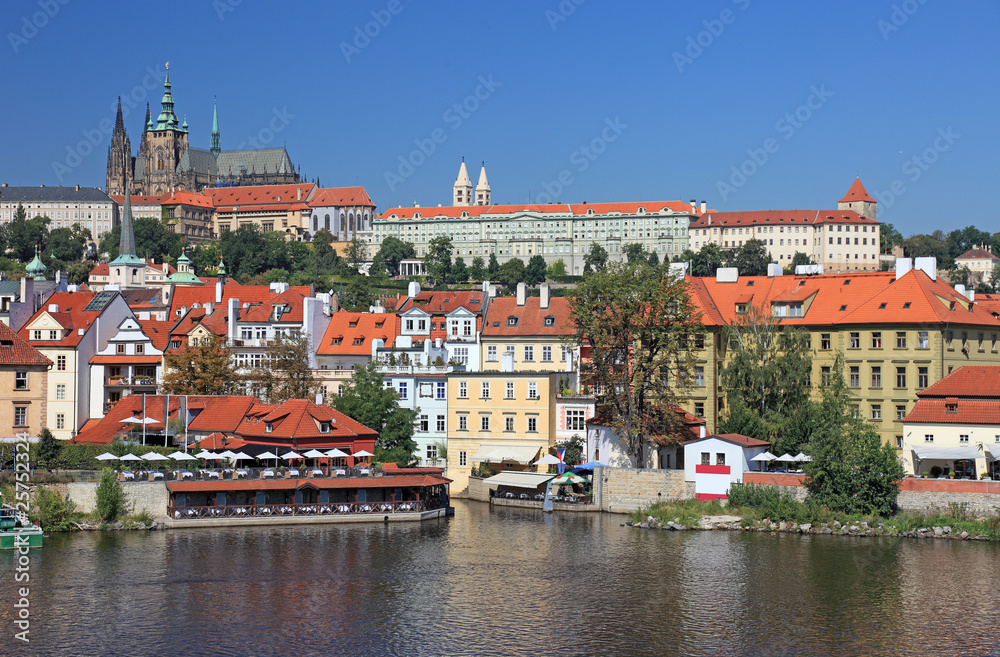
x=741 y=309
x=359 y=341
x=268 y=427
x=843 y=308
x=336 y=341
x=951 y=408
x=353 y=324
x=324 y=427
x=512 y=321
x=550 y=321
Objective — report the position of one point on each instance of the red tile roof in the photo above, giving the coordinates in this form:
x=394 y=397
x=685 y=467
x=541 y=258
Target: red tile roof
x=489 y=211
x=967 y=381
x=262 y=197
x=442 y=303
x=15 y=350
x=120 y=359
x=217 y=413
x=340 y=196
x=290 y=301
x=976 y=253
x=779 y=217
x=340 y=336
x=300 y=419
x=188 y=295
x=530 y=317
x=967 y=411
x=186 y=198
x=71 y=317
x=157 y=332
x=139 y=200
x=857 y=192
x=215 y=441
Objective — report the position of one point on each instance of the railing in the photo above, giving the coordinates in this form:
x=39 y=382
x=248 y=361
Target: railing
x=133 y=381
x=305 y=509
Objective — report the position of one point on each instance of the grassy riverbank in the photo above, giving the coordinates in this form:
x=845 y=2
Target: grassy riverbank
x=761 y=509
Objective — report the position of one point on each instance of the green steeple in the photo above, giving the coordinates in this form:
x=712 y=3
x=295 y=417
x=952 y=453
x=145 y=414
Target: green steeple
x=216 y=144
x=184 y=275
x=36 y=268
x=126 y=246
x=167 y=119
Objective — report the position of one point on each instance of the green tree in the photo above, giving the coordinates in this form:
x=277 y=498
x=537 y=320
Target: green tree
x=155 y=240
x=635 y=252
x=391 y=252
x=437 y=262
x=511 y=273
x=494 y=266
x=359 y=296
x=244 y=250
x=459 y=272
x=366 y=399
x=205 y=257
x=637 y=322
x=477 y=271
x=557 y=268
x=889 y=238
x=48 y=448
x=707 y=260
x=534 y=273
x=67 y=245
x=24 y=235
x=355 y=255
x=203 y=370
x=653 y=260
x=595 y=259
x=287 y=374
x=111 y=501
x=751 y=259
x=799 y=258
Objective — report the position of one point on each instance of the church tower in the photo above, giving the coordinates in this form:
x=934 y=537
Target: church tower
x=119 y=157
x=462 y=193
x=483 y=188
x=859 y=200
x=216 y=140
x=165 y=143
x=127 y=270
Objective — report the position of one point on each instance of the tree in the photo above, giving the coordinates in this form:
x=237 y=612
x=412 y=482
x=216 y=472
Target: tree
x=557 y=268
x=155 y=241
x=205 y=258
x=437 y=262
x=751 y=259
x=494 y=266
x=206 y=369
x=595 y=259
x=244 y=250
x=24 y=236
x=534 y=273
x=889 y=238
x=355 y=255
x=653 y=260
x=287 y=374
x=111 y=502
x=852 y=470
x=48 y=448
x=459 y=272
x=67 y=245
x=366 y=399
x=635 y=252
x=477 y=271
x=359 y=296
x=799 y=258
x=391 y=252
x=707 y=260
x=637 y=322
x=511 y=273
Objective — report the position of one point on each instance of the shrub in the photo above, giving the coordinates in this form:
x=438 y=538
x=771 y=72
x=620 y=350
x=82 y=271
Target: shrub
x=52 y=511
x=111 y=501
x=768 y=501
x=936 y=471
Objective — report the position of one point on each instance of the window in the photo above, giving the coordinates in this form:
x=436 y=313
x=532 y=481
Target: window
x=699 y=375
x=546 y=354
x=463 y=389
x=508 y=422
x=855 y=340
x=440 y=393
x=424 y=423
x=922 y=340
x=825 y=375
x=529 y=354
x=876 y=377
x=922 y=377
x=963 y=438
x=484 y=422
x=949 y=336
x=61 y=363
x=440 y=426
x=53 y=335
x=901 y=377
x=268 y=427
x=462 y=458
x=855 y=376
x=36 y=335
x=900 y=339
x=485 y=390
x=900 y=411
x=876 y=411
x=928 y=438
x=491 y=352
x=512 y=321
x=899 y=442
x=720 y=458
x=460 y=355
x=20 y=416
x=463 y=422
x=324 y=427
x=877 y=340
x=120 y=348
x=510 y=390
x=403 y=391
x=575 y=421
x=60 y=420
x=699 y=409
x=706 y=458
x=824 y=341
x=61 y=391
x=139 y=348
x=532 y=390
x=532 y=424
x=20 y=381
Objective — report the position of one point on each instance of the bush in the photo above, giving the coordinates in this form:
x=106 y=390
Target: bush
x=111 y=501
x=936 y=471
x=769 y=501
x=52 y=511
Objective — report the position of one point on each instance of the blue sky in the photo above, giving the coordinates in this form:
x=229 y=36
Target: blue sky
x=745 y=104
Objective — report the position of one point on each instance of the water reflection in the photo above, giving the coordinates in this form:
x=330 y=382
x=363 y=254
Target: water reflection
x=505 y=582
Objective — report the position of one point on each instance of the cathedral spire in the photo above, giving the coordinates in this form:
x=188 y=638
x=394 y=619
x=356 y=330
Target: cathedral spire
x=216 y=142
x=119 y=121
x=167 y=119
x=483 y=188
x=126 y=246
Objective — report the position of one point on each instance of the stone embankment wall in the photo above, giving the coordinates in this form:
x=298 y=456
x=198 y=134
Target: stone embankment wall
x=151 y=497
x=623 y=490
x=789 y=483
x=477 y=490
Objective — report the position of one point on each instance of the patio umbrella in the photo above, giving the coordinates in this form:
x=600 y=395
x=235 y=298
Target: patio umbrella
x=183 y=456
x=337 y=454
x=763 y=458
x=587 y=467
x=548 y=459
x=291 y=455
x=140 y=420
x=269 y=455
x=314 y=454
x=209 y=456
x=568 y=478
x=106 y=456
x=362 y=453
x=786 y=458
x=204 y=454
x=803 y=457
x=130 y=457
x=227 y=454
x=240 y=456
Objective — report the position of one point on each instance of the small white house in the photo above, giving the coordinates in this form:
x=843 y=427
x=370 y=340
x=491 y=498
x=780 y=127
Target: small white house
x=714 y=463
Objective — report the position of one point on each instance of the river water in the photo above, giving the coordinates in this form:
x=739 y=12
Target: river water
x=503 y=582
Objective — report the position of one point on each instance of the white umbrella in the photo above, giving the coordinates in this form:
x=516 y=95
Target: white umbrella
x=291 y=455
x=204 y=454
x=786 y=458
x=337 y=454
x=211 y=457
x=130 y=457
x=106 y=456
x=227 y=454
x=267 y=455
x=362 y=453
x=803 y=457
x=140 y=420
x=765 y=456
x=240 y=456
x=314 y=454
x=548 y=459
x=183 y=456
x=154 y=456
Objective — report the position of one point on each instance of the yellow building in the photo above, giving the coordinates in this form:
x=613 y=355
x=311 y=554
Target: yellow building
x=23 y=385
x=500 y=420
x=528 y=334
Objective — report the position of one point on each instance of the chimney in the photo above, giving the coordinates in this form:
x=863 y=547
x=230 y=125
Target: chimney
x=774 y=269
x=218 y=292
x=209 y=307
x=727 y=275
x=493 y=291
x=704 y=207
x=522 y=292
x=53 y=307
x=24 y=284
x=927 y=265
x=413 y=289
x=702 y=431
x=694 y=206
x=77 y=188
x=298 y=193
x=971 y=294
x=543 y=296
x=960 y=289
x=903 y=266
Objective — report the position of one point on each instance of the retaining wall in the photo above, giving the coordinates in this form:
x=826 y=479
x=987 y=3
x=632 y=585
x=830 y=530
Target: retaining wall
x=623 y=490
x=788 y=483
x=149 y=496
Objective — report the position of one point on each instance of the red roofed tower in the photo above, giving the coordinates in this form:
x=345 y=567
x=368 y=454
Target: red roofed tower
x=858 y=199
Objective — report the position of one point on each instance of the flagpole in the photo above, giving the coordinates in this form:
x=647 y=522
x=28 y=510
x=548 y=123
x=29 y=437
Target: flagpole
x=143 y=419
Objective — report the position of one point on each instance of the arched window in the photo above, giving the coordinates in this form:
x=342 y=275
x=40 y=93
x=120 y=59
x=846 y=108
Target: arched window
x=315 y=222
x=350 y=222
x=343 y=222
x=328 y=222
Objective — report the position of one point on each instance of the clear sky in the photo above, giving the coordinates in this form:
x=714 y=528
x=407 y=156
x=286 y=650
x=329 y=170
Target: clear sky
x=571 y=100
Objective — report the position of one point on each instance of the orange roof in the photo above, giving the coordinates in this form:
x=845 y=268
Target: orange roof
x=351 y=334
x=15 y=350
x=531 y=318
x=290 y=300
x=966 y=411
x=138 y=200
x=779 y=217
x=977 y=253
x=217 y=413
x=188 y=295
x=186 y=198
x=214 y=441
x=260 y=196
x=299 y=419
x=857 y=192
x=338 y=196
x=967 y=381
x=489 y=211
x=442 y=303
x=157 y=332
x=71 y=316
x=395 y=481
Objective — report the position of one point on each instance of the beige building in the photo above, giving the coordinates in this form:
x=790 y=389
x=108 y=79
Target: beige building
x=23 y=386
x=979 y=261
x=282 y=208
x=88 y=206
